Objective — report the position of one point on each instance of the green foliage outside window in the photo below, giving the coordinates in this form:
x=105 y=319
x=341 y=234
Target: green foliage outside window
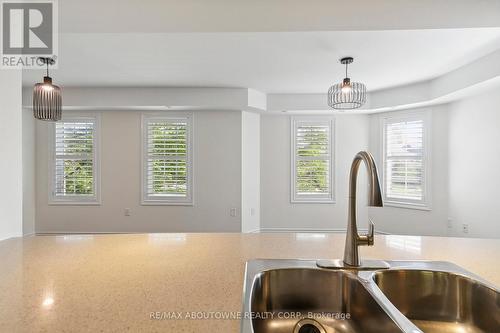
x=312 y=174
x=168 y=147
x=78 y=176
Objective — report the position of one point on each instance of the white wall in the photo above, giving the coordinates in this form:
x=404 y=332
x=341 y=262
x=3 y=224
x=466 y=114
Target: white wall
x=28 y=172
x=11 y=167
x=217 y=180
x=351 y=136
x=353 y=133
x=474 y=157
x=250 y=182
x=412 y=221
x=235 y=166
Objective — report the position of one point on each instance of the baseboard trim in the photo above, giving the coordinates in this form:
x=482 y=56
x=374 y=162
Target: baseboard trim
x=255 y=231
x=58 y=233
x=317 y=230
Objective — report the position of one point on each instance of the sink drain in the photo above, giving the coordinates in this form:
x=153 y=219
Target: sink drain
x=308 y=326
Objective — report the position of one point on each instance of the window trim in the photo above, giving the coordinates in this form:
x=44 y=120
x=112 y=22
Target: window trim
x=95 y=200
x=189 y=201
x=294 y=198
x=426 y=117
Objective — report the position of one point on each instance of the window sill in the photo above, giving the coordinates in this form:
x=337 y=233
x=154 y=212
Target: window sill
x=73 y=203
x=406 y=205
x=166 y=203
x=298 y=201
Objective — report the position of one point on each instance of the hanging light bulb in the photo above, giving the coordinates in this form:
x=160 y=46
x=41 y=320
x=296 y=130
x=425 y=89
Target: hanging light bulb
x=347 y=95
x=47 y=97
x=346 y=86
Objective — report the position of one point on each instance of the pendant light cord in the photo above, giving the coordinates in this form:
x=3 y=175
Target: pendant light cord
x=346 y=64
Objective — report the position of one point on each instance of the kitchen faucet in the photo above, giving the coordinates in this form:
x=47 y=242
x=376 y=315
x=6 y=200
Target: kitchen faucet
x=353 y=239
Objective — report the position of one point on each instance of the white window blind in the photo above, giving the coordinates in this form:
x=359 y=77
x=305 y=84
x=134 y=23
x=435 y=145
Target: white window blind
x=167 y=160
x=74 y=172
x=312 y=162
x=405 y=173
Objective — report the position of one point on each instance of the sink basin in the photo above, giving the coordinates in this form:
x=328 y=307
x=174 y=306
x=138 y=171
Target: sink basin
x=297 y=296
x=336 y=301
x=441 y=301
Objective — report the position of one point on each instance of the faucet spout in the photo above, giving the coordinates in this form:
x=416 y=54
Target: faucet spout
x=353 y=239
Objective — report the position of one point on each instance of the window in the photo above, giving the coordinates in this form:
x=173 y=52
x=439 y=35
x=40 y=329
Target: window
x=74 y=176
x=312 y=160
x=167 y=160
x=406 y=151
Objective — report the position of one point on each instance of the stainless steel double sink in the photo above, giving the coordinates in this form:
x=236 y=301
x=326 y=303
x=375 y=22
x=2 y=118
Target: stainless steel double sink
x=296 y=296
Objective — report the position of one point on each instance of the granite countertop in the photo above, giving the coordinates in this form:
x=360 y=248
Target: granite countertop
x=140 y=282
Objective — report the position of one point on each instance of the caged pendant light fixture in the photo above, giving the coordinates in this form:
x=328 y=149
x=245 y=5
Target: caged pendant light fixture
x=347 y=95
x=47 y=98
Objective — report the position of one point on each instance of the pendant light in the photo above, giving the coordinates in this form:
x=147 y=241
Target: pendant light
x=47 y=98
x=347 y=95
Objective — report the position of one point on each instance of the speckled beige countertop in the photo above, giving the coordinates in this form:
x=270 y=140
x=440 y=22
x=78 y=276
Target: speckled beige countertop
x=112 y=283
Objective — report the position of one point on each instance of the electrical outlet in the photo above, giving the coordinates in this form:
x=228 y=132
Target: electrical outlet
x=450 y=223
x=127 y=211
x=465 y=228
x=232 y=212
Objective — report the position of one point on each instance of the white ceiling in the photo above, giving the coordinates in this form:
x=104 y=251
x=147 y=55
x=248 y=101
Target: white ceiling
x=162 y=16
x=289 y=62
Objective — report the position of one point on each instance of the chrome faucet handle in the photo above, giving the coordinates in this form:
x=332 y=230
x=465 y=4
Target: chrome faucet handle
x=371 y=233
x=367 y=239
